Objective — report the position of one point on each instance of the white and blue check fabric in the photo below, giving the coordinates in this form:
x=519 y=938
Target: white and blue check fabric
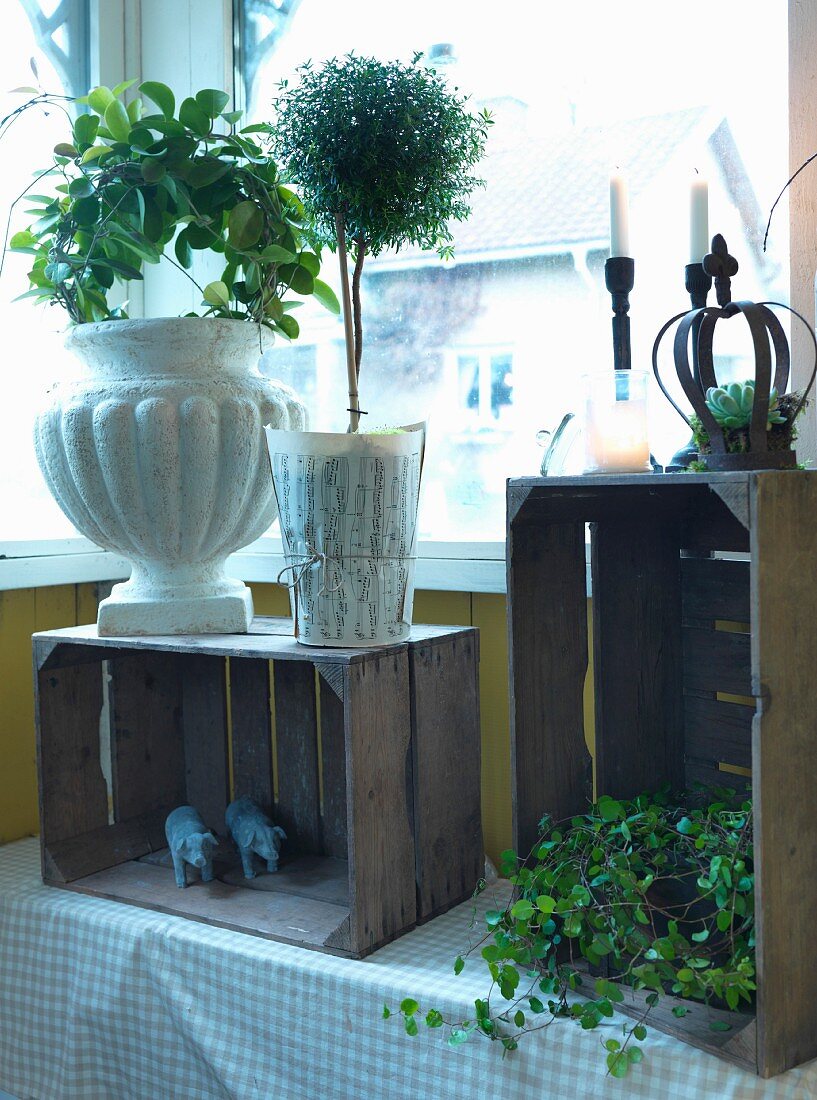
x=105 y=1001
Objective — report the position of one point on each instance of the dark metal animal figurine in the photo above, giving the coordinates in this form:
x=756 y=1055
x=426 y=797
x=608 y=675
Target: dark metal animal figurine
x=253 y=831
x=190 y=841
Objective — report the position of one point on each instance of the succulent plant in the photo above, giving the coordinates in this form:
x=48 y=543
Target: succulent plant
x=732 y=405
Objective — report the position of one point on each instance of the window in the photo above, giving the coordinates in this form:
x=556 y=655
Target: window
x=43 y=43
x=485 y=387
x=302 y=372
x=572 y=94
x=571 y=97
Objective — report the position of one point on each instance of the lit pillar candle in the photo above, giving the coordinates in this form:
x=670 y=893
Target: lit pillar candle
x=619 y=216
x=698 y=219
x=616 y=439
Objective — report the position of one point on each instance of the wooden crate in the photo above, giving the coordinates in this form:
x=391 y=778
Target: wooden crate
x=682 y=642
x=369 y=758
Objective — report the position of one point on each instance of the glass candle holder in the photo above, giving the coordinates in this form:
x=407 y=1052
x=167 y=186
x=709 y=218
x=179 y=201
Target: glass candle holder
x=616 y=422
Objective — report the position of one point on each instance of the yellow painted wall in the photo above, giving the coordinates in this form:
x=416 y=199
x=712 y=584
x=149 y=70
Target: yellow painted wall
x=24 y=611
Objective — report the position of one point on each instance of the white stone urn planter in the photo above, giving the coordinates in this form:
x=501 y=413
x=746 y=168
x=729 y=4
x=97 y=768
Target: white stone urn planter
x=158 y=453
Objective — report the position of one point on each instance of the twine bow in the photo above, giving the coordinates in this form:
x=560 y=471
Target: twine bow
x=313 y=556
x=299 y=569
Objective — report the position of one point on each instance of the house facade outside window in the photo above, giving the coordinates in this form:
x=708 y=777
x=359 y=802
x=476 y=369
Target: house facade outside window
x=527 y=280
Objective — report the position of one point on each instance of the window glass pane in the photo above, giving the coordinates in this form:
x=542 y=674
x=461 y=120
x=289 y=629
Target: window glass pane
x=55 y=38
x=501 y=384
x=468 y=373
x=493 y=344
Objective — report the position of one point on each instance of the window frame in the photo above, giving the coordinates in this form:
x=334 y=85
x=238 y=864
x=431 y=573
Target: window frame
x=127 y=36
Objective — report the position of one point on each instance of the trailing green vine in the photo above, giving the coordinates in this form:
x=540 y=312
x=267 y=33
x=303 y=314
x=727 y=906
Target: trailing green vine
x=645 y=893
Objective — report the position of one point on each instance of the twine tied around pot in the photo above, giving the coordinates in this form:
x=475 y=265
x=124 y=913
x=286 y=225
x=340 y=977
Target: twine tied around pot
x=312 y=557
x=300 y=568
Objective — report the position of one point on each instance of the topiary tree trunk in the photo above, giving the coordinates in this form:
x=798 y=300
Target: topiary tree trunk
x=352 y=316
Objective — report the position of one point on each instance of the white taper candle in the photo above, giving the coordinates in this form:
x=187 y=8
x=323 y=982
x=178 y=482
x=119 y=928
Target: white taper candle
x=619 y=216
x=698 y=219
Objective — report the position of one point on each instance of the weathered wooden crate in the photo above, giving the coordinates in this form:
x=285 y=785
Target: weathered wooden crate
x=370 y=759
x=701 y=665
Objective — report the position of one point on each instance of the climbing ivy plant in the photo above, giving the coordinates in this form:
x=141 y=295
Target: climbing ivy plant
x=642 y=893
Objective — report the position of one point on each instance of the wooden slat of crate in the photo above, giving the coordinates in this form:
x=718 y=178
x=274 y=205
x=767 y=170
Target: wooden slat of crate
x=446 y=771
x=716 y=731
x=784 y=750
x=251 y=732
x=708 y=774
x=383 y=900
x=547 y=597
x=719 y=731
x=105 y=846
x=712 y=511
x=279 y=915
x=147 y=749
x=715 y=588
x=717 y=660
x=73 y=792
x=594 y=499
x=271 y=638
x=296 y=735
x=736 y=1045
x=637 y=655
x=711 y=524
x=204 y=721
x=334 y=832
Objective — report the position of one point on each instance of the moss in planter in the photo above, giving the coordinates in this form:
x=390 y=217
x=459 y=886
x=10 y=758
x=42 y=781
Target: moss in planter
x=781 y=437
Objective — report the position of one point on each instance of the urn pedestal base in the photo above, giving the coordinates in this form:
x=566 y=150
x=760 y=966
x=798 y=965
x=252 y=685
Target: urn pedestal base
x=126 y=612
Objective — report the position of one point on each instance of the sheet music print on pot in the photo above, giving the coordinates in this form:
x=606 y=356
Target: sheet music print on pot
x=357 y=510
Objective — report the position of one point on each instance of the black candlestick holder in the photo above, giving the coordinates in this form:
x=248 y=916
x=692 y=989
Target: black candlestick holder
x=619 y=276
x=698 y=284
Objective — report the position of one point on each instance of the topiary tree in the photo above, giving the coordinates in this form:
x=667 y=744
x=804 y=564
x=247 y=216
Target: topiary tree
x=383 y=153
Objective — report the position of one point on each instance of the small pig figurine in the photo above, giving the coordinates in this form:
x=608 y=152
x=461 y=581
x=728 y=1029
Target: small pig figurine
x=191 y=842
x=253 y=831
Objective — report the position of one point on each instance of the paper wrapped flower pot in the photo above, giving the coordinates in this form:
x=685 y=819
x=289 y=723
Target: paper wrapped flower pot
x=158 y=454
x=348 y=511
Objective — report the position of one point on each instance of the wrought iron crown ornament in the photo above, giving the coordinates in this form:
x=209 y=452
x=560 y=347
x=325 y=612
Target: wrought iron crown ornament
x=771 y=350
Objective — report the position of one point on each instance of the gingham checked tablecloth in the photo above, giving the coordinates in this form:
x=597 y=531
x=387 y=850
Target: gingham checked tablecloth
x=104 y=1001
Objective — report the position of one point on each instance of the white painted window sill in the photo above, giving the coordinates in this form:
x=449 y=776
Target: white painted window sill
x=441 y=566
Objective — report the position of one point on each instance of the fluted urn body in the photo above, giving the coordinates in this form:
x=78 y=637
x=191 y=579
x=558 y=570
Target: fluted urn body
x=158 y=453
